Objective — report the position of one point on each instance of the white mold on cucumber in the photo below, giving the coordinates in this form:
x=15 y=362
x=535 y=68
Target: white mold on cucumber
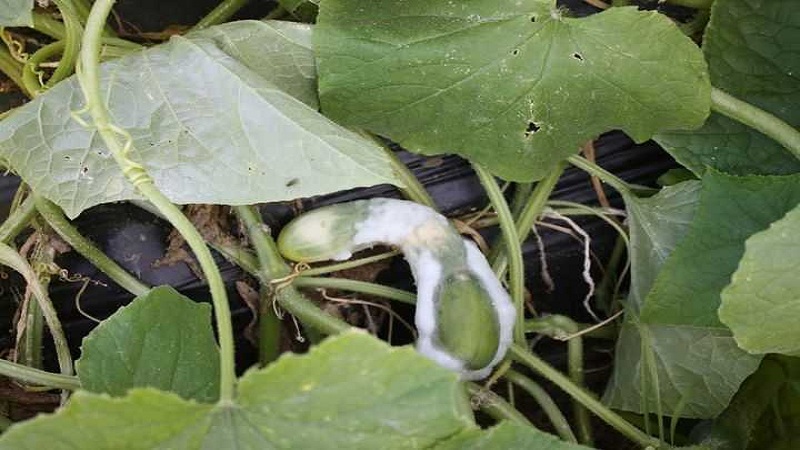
x=454 y=281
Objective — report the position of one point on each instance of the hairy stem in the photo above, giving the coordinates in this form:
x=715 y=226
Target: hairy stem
x=545 y=402
x=54 y=217
x=322 y=270
x=516 y=276
x=89 y=79
x=756 y=118
x=39 y=377
x=523 y=356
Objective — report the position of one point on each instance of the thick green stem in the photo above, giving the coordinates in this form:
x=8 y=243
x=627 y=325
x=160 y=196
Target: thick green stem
x=45 y=24
x=18 y=220
x=221 y=13
x=31 y=73
x=523 y=356
x=558 y=326
x=361 y=287
x=604 y=175
x=530 y=212
x=756 y=118
x=10 y=258
x=412 y=189
x=269 y=328
x=494 y=405
x=273 y=267
x=72 y=41
x=89 y=79
x=516 y=276
x=58 y=222
x=545 y=402
x=38 y=377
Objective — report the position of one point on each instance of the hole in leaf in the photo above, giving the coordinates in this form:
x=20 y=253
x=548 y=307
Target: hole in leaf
x=533 y=18
x=577 y=56
x=531 y=129
x=515 y=52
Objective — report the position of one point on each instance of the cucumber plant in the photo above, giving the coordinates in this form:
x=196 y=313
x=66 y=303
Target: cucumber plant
x=706 y=351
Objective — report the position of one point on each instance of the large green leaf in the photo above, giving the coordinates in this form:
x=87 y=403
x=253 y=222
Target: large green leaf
x=162 y=340
x=687 y=290
x=688 y=371
x=16 y=13
x=351 y=391
x=213 y=118
x=516 y=86
x=753 y=52
x=762 y=304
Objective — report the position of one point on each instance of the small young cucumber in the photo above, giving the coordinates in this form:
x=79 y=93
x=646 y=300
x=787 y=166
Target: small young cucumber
x=464 y=317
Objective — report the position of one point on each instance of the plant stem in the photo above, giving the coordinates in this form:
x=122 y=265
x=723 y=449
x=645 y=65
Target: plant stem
x=530 y=212
x=12 y=68
x=522 y=193
x=89 y=79
x=361 y=287
x=221 y=13
x=604 y=175
x=72 y=41
x=322 y=270
x=557 y=325
x=246 y=260
x=545 y=402
x=494 y=405
x=18 y=220
x=39 y=377
x=45 y=24
x=756 y=118
x=516 y=276
x=10 y=258
x=58 y=222
x=412 y=189
x=269 y=329
x=30 y=74
x=273 y=267
x=523 y=356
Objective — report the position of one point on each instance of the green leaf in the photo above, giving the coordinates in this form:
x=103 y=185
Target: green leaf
x=162 y=340
x=753 y=53
x=762 y=304
x=16 y=13
x=687 y=290
x=213 y=117
x=516 y=86
x=764 y=414
x=680 y=370
x=352 y=391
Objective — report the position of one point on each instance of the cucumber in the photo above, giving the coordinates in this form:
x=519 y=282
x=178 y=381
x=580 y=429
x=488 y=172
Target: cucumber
x=464 y=317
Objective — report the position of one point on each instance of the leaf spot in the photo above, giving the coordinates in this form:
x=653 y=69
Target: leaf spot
x=533 y=18
x=515 y=52
x=532 y=129
x=577 y=56
x=292 y=182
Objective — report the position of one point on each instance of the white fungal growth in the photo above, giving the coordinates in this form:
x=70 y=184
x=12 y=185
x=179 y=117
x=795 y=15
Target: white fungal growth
x=434 y=250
